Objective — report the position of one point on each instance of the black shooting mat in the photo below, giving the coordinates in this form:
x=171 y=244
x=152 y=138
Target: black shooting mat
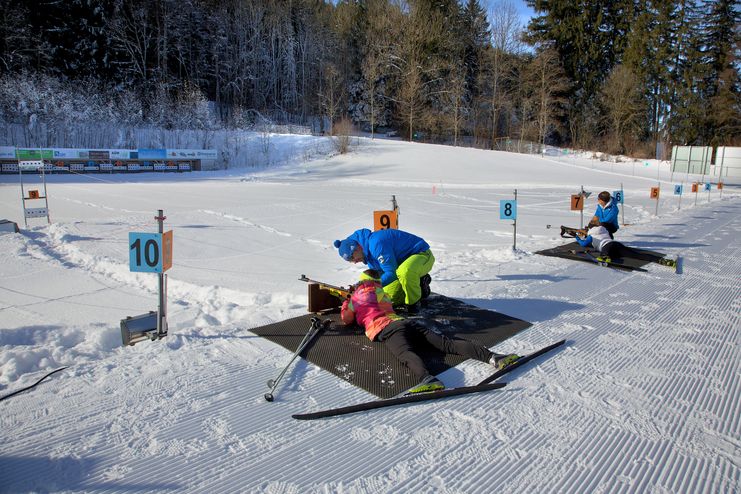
x=346 y=352
x=563 y=251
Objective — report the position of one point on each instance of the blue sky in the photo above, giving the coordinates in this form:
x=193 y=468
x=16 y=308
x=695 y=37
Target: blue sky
x=525 y=12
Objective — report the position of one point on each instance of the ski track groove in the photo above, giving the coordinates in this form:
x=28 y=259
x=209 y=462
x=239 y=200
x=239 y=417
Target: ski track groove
x=709 y=337
x=234 y=416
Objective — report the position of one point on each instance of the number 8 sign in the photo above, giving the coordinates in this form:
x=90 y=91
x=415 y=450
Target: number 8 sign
x=508 y=210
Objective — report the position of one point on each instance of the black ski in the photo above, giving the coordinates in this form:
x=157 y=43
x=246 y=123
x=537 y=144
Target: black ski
x=484 y=385
x=415 y=398
x=588 y=256
x=520 y=362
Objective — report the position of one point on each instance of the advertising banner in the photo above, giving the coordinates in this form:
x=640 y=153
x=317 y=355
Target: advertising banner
x=152 y=154
x=66 y=153
x=34 y=154
x=188 y=154
x=99 y=154
x=119 y=154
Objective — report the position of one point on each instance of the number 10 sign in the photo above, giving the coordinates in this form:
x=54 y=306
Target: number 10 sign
x=150 y=252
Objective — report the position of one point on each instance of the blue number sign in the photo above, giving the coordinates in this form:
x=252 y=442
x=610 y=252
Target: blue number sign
x=707 y=186
x=145 y=252
x=618 y=195
x=508 y=210
x=678 y=190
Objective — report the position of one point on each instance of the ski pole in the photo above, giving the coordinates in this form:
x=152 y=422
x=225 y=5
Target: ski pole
x=316 y=325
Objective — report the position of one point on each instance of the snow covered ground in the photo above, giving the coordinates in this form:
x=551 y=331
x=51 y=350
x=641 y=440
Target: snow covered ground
x=645 y=396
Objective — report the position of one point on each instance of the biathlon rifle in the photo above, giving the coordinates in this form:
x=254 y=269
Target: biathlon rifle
x=337 y=291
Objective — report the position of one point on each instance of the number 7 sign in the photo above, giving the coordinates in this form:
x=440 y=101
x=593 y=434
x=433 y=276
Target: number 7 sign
x=577 y=202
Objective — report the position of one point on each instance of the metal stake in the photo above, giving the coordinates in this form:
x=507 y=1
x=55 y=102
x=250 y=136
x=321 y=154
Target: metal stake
x=162 y=312
x=514 y=225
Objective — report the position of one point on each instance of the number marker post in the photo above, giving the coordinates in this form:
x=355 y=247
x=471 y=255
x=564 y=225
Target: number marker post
x=34 y=194
x=678 y=189
x=655 y=191
x=619 y=197
x=384 y=220
x=508 y=211
x=577 y=203
x=149 y=253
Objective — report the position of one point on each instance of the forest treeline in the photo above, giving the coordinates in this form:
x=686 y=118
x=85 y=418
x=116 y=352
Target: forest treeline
x=615 y=75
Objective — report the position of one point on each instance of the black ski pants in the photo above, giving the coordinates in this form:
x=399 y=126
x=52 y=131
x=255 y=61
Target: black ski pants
x=403 y=337
x=617 y=250
x=611 y=229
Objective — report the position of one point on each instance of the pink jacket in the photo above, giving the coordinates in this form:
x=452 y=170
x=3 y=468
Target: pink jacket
x=371 y=307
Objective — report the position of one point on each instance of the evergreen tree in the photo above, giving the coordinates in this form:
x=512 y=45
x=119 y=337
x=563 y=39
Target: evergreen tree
x=723 y=84
x=371 y=105
x=16 y=36
x=590 y=38
x=475 y=38
x=588 y=35
x=688 y=121
x=650 y=55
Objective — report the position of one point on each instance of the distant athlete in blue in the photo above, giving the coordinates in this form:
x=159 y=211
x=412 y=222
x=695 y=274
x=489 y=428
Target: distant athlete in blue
x=606 y=214
x=403 y=259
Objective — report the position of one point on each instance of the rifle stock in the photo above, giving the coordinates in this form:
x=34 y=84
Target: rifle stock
x=337 y=291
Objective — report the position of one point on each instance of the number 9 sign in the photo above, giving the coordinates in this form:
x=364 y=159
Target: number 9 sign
x=507 y=210
x=384 y=220
x=150 y=252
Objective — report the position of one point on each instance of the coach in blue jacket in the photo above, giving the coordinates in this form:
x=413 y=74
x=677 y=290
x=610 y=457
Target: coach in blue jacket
x=606 y=214
x=403 y=259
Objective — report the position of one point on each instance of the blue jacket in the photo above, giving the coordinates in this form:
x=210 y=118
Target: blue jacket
x=608 y=214
x=384 y=250
x=597 y=236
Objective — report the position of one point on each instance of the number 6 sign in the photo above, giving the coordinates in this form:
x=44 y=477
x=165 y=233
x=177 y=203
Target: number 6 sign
x=150 y=252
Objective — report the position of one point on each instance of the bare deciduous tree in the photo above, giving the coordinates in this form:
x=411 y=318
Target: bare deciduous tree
x=506 y=30
x=621 y=99
x=416 y=71
x=456 y=109
x=331 y=94
x=547 y=84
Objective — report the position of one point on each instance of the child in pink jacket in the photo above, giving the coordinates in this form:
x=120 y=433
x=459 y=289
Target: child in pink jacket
x=371 y=308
